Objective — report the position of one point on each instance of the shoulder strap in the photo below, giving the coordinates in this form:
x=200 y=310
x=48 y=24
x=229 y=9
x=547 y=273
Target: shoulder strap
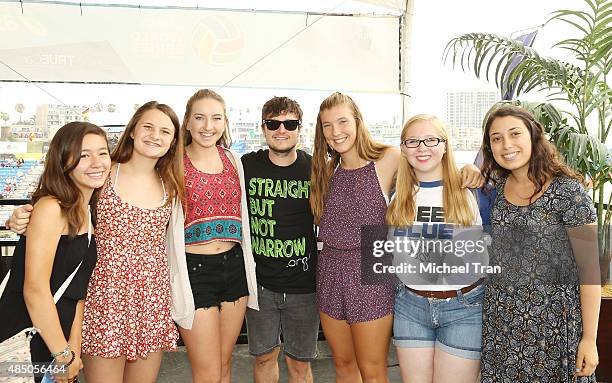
x=116 y=176
x=227 y=163
x=165 y=196
x=89 y=225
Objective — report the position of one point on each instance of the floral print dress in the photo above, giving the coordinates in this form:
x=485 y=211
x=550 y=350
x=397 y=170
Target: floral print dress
x=127 y=310
x=532 y=321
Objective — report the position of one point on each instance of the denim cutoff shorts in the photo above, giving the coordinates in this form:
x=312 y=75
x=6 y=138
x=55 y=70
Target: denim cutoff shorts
x=453 y=325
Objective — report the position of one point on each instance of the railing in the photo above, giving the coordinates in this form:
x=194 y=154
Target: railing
x=5 y=261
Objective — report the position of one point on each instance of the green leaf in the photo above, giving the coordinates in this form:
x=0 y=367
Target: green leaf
x=592 y=5
x=576 y=25
x=587 y=18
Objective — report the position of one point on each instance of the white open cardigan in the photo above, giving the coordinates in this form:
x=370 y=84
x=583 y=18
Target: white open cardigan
x=183 y=309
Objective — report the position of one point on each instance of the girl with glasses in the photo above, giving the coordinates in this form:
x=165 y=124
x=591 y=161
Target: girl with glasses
x=437 y=316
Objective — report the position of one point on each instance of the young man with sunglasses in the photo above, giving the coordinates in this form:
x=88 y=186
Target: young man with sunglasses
x=284 y=247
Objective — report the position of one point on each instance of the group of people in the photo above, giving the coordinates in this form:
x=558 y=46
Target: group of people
x=187 y=232
x=18 y=162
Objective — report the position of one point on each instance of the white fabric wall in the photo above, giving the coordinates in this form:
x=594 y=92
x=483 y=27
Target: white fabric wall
x=67 y=43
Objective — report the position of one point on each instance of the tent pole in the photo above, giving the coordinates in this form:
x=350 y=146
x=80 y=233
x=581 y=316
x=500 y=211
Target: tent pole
x=405 y=56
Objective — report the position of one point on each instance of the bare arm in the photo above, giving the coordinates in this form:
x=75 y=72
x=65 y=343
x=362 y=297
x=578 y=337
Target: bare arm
x=584 y=245
x=386 y=169
x=46 y=226
x=42 y=238
x=76 y=334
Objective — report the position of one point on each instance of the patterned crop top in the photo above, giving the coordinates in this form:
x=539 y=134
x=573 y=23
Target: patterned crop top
x=213 y=204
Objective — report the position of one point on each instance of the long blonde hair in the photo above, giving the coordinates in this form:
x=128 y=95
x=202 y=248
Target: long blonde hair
x=225 y=140
x=457 y=209
x=325 y=159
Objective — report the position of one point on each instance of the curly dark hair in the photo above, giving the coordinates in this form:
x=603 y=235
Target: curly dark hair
x=545 y=162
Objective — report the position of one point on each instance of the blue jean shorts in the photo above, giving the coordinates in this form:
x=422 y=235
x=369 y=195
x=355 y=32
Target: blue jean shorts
x=453 y=325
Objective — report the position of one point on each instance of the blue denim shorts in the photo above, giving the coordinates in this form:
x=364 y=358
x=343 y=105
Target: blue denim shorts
x=453 y=325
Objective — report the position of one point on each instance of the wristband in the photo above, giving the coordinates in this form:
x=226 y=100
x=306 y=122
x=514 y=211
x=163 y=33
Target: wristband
x=64 y=352
x=68 y=363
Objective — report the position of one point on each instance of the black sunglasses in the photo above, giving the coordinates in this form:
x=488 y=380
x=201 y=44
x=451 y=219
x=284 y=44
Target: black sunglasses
x=290 y=125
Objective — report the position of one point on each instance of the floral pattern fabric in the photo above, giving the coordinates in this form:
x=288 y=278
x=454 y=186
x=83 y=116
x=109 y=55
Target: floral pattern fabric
x=127 y=310
x=531 y=330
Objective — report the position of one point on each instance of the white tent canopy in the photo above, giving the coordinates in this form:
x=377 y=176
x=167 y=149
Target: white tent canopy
x=355 y=7
x=349 y=45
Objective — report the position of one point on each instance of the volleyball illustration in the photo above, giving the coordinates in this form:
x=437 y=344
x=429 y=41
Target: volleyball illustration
x=217 y=40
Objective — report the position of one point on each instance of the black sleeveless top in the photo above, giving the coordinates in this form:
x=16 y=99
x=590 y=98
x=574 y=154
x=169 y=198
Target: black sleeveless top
x=13 y=311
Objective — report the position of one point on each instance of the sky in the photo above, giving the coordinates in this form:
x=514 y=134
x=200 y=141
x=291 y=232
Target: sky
x=437 y=22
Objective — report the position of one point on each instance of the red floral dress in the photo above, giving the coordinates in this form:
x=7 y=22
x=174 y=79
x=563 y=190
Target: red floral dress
x=127 y=309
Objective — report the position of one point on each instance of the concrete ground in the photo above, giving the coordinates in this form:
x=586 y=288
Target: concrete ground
x=175 y=367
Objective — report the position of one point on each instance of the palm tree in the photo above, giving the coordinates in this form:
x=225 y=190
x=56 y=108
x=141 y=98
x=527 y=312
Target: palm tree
x=582 y=85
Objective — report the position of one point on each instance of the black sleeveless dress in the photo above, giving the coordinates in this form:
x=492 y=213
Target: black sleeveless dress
x=13 y=311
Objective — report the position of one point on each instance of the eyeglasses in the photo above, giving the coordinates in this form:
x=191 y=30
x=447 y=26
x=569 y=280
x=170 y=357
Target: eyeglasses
x=429 y=142
x=290 y=125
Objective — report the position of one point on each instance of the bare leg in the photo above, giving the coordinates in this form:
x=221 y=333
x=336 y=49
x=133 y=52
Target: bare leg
x=416 y=364
x=340 y=340
x=371 y=341
x=143 y=370
x=299 y=372
x=265 y=367
x=211 y=340
x=451 y=368
x=232 y=318
x=203 y=343
x=102 y=370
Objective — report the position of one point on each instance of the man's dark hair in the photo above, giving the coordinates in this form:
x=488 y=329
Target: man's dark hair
x=280 y=105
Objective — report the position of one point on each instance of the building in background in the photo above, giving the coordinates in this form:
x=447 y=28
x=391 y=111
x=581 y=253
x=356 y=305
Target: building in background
x=247 y=136
x=464 y=114
x=53 y=116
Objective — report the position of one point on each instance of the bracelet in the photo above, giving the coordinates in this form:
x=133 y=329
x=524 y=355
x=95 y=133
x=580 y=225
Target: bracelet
x=64 y=352
x=72 y=357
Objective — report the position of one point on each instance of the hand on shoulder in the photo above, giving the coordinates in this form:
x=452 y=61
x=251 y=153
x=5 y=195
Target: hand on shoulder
x=390 y=159
x=19 y=219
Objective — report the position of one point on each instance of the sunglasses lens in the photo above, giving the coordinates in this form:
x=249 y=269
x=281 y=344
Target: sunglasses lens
x=291 y=124
x=288 y=124
x=272 y=124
